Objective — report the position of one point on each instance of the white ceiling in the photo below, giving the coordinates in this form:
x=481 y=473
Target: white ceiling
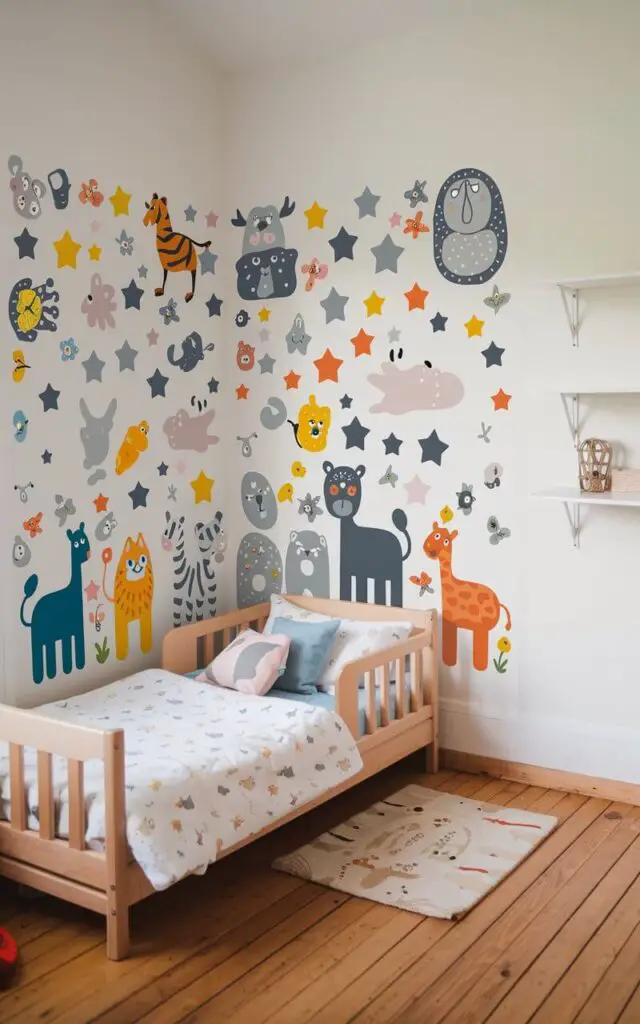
x=252 y=34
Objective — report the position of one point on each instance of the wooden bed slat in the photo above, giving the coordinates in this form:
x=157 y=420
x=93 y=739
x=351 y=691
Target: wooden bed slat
x=400 y=688
x=416 y=680
x=45 y=796
x=18 y=794
x=116 y=832
x=385 y=695
x=370 y=716
x=75 y=770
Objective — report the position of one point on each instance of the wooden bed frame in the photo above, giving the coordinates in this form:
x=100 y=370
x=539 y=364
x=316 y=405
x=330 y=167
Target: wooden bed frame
x=111 y=882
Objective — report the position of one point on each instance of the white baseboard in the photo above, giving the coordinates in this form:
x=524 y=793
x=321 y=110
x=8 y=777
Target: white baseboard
x=572 y=746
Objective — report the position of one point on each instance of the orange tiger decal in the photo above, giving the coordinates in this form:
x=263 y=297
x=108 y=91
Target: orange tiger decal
x=176 y=252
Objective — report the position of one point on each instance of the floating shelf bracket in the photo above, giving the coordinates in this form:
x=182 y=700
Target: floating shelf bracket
x=571 y=300
x=573 y=515
x=571 y=405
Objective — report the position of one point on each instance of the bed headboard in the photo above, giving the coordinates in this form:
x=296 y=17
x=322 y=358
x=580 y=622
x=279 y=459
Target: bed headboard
x=194 y=646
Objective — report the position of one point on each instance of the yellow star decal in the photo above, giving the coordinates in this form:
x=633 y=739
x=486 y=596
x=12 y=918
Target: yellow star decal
x=315 y=216
x=95 y=252
x=374 y=304
x=474 y=327
x=264 y=314
x=67 y=251
x=120 y=202
x=202 y=487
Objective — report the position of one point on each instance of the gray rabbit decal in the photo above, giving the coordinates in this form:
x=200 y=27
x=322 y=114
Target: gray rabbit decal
x=95 y=438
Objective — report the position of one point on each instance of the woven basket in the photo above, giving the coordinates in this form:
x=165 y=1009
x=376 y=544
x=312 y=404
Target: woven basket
x=594 y=462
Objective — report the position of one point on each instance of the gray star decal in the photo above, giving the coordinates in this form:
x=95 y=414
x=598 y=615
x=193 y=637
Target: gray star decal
x=126 y=357
x=190 y=213
x=266 y=364
x=366 y=203
x=139 y=496
x=493 y=355
x=158 y=383
x=93 y=367
x=432 y=448
x=132 y=295
x=49 y=398
x=208 y=262
x=142 y=271
x=342 y=245
x=334 y=305
x=387 y=255
x=355 y=434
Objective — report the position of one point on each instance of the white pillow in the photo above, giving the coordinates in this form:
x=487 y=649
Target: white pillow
x=355 y=638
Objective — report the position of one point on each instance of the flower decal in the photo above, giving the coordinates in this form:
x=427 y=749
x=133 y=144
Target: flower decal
x=309 y=507
x=125 y=242
x=501 y=662
x=89 y=193
x=68 y=350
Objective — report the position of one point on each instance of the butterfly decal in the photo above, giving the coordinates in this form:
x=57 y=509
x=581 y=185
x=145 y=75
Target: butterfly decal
x=19 y=365
x=497 y=299
x=497 y=532
x=169 y=314
x=389 y=477
x=97 y=618
x=423 y=581
x=316 y=270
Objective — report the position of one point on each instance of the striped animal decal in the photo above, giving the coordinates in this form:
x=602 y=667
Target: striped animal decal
x=195 y=586
x=176 y=252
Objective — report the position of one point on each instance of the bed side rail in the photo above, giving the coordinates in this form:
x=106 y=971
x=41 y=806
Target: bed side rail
x=196 y=645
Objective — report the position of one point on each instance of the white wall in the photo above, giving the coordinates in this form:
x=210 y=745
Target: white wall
x=542 y=96
x=102 y=91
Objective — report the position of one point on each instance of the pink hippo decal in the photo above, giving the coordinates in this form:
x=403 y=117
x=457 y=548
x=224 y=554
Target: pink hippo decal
x=415 y=389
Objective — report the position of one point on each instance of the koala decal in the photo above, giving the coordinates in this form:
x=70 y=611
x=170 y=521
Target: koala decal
x=266 y=269
x=258 y=500
x=306 y=569
x=27 y=191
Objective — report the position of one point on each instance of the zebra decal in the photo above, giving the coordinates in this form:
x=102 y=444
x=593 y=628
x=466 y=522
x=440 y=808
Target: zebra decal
x=194 y=584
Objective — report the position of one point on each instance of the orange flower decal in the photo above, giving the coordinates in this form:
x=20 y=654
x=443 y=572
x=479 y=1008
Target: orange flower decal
x=273 y=790
x=316 y=270
x=414 y=226
x=89 y=193
x=248 y=783
x=176 y=825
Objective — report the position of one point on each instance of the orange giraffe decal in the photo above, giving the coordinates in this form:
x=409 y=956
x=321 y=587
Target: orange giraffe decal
x=465 y=605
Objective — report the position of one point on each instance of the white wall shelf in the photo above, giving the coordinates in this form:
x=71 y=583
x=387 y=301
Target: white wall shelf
x=572 y=498
x=571 y=404
x=571 y=288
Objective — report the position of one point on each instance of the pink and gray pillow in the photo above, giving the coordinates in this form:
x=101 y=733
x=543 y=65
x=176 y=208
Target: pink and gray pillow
x=251 y=663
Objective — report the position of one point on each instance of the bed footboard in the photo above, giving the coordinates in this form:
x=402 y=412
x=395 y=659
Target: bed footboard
x=65 y=867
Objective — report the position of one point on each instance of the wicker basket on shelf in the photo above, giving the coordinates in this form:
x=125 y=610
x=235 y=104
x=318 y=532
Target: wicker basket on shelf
x=594 y=460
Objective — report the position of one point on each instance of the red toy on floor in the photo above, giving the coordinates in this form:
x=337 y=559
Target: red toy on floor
x=8 y=956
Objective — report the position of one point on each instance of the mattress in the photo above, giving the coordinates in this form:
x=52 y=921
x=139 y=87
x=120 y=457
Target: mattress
x=205 y=767
x=328 y=701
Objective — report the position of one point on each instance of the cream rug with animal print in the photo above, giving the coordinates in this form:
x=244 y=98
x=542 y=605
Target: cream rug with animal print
x=423 y=850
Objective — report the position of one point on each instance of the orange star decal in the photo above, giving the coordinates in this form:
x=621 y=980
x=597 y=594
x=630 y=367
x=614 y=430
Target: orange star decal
x=414 y=226
x=327 y=366
x=292 y=380
x=416 y=297
x=241 y=392
x=501 y=400
x=362 y=343
x=101 y=502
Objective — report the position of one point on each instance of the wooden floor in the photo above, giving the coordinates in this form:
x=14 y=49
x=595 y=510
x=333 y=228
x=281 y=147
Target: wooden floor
x=557 y=941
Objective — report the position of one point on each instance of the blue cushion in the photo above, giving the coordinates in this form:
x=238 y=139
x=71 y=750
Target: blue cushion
x=310 y=646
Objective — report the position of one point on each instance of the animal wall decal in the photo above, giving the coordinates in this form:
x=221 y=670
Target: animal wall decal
x=296 y=337
x=258 y=500
x=246 y=447
x=266 y=269
x=105 y=527
x=58 y=616
x=60 y=187
x=95 y=437
x=136 y=441
x=176 y=251
x=27 y=191
x=20 y=426
x=195 y=584
x=132 y=593
x=306 y=568
x=64 y=508
x=23 y=491
x=258 y=570
x=245 y=356
x=465 y=605
x=193 y=351
x=100 y=304
x=416 y=388
x=365 y=552
x=21 y=552
x=273 y=414
x=185 y=432
x=211 y=538
x=32 y=308
x=312 y=429
x=469 y=228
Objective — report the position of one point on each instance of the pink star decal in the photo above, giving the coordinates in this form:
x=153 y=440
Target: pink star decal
x=92 y=590
x=95 y=226
x=152 y=337
x=395 y=220
x=212 y=219
x=416 y=490
x=181 y=466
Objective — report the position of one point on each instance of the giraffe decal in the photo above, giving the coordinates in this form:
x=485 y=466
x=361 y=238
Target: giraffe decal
x=465 y=605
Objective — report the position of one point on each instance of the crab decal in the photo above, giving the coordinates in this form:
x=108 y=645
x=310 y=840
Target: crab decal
x=33 y=308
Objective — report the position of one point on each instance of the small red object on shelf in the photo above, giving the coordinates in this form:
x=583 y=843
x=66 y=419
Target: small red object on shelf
x=8 y=955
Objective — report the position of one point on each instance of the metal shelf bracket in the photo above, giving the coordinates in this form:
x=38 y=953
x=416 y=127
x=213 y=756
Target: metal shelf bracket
x=571 y=404
x=571 y=301
x=573 y=515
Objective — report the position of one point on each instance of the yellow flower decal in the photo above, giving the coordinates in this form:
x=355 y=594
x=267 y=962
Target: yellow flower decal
x=504 y=645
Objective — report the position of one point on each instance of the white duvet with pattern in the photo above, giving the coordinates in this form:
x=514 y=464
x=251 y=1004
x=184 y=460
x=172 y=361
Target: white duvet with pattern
x=205 y=766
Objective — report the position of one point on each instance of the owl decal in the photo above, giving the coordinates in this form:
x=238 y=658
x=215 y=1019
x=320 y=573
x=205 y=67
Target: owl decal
x=469 y=228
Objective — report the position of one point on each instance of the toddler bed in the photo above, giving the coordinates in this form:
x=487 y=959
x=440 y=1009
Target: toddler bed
x=205 y=770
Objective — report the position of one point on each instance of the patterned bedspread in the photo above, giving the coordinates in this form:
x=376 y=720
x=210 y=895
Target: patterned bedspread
x=205 y=767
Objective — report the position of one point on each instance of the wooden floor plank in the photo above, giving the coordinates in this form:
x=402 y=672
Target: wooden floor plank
x=555 y=937
x=609 y=998
x=631 y=1012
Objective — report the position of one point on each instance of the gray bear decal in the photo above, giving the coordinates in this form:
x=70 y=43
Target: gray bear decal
x=266 y=269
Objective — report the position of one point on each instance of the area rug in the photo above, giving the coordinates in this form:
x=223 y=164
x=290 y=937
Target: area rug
x=421 y=849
